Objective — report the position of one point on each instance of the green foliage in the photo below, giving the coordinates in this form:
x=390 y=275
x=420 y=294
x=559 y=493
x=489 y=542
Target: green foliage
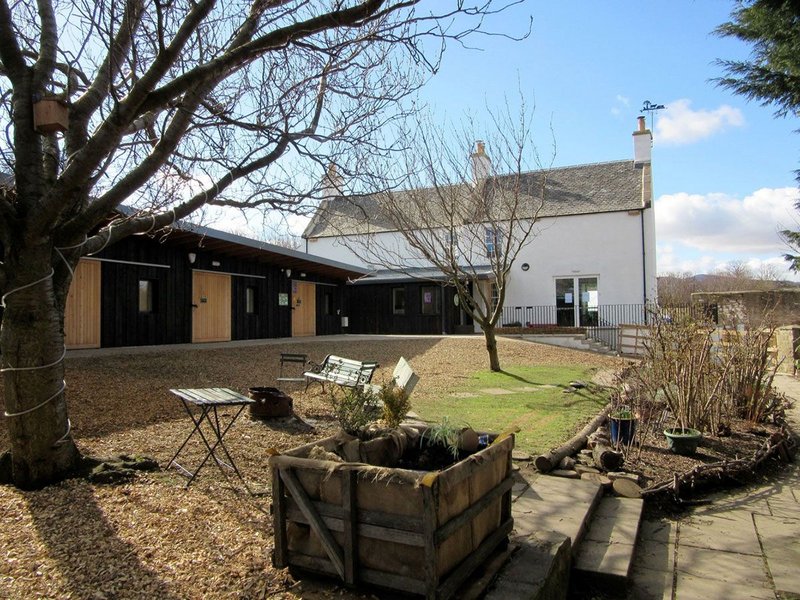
x=354 y=408
x=445 y=434
x=772 y=75
x=396 y=404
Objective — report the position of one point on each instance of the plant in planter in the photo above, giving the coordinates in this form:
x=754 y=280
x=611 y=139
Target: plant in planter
x=362 y=520
x=682 y=370
x=622 y=425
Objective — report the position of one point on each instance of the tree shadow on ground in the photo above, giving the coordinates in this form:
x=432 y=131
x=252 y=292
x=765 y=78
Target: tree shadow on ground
x=73 y=527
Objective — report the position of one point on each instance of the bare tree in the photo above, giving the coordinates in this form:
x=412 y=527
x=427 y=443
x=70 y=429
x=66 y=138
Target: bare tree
x=467 y=221
x=173 y=106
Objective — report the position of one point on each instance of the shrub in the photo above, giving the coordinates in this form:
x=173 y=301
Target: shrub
x=353 y=408
x=680 y=369
x=749 y=380
x=396 y=404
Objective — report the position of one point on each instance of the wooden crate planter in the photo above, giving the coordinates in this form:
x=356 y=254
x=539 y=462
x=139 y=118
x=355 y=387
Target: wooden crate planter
x=413 y=531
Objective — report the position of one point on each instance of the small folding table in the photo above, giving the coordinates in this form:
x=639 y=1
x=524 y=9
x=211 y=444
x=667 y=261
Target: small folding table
x=209 y=400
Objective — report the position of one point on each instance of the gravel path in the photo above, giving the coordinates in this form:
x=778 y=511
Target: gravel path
x=153 y=538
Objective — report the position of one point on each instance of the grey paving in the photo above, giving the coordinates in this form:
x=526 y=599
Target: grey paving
x=745 y=545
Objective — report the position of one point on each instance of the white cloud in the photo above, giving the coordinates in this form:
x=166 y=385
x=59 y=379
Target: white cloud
x=703 y=233
x=680 y=124
x=621 y=102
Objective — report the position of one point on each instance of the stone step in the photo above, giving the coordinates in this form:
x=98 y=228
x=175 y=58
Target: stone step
x=556 y=505
x=606 y=552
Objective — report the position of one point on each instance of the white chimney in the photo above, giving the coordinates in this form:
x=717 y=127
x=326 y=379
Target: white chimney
x=481 y=163
x=332 y=183
x=642 y=144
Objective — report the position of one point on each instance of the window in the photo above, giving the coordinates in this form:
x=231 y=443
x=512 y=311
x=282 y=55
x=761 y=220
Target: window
x=430 y=300
x=495 y=296
x=398 y=301
x=493 y=237
x=147 y=296
x=327 y=303
x=251 y=298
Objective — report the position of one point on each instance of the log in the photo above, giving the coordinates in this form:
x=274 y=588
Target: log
x=607 y=458
x=547 y=462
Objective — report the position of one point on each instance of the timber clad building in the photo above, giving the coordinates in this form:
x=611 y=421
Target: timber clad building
x=202 y=285
x=594 y=248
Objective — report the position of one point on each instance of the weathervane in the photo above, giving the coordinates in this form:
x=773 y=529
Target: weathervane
x=651 y=108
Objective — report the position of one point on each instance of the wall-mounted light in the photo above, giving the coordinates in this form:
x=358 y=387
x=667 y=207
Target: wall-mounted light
x=288 y=272
x=192 y=257
x=302 y=274
x=525 y=266
x=214 y=263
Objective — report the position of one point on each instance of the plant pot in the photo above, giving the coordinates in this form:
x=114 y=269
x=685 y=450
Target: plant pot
x=622 y=430
x=683 y=440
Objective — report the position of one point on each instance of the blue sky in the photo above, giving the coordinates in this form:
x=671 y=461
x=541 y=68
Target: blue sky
x=723 y=167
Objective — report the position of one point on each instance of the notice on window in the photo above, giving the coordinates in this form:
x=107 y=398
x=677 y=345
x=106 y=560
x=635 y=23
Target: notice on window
x=593 y=299
x=427 y=297
x=568 y=298
x=283 y=299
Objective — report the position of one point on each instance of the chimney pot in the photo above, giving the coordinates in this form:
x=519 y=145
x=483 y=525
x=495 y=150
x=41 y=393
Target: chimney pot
x=481 y=163
x=642 y=144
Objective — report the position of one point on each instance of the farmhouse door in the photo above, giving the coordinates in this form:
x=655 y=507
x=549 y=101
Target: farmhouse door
x=211 y=307
x=304 y=309
x=82 y=313
x=576 y=302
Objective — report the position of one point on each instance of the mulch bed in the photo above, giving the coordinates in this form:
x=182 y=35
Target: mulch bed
x=152 y=537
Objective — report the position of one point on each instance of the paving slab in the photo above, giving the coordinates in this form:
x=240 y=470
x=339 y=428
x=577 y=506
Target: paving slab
x=731 y=532
x=690 y=587
x=720 y=566
x=784 y=508
x=554 y=504
x=496 y=391
x=781 y=541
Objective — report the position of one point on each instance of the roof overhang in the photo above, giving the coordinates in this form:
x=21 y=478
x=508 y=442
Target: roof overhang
x=480 y=273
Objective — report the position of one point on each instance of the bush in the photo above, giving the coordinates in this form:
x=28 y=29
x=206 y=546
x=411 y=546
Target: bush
x=396 y=404
x=353 y=408
x=749 y=379
x=679 y=369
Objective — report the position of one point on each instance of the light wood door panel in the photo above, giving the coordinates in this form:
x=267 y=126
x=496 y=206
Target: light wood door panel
x=211 y=307
x=82 y=312
x=304 y=309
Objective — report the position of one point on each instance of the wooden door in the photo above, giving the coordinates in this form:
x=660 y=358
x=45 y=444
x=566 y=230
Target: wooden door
x=304 y=309
x=82 y=312
x=211 y=307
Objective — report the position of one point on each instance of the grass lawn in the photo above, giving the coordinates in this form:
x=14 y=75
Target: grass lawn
x=533 y=400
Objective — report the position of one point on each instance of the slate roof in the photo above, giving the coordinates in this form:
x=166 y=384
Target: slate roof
x=583 y=189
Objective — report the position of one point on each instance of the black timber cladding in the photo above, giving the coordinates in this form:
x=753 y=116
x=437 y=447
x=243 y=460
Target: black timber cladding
x=165 y=262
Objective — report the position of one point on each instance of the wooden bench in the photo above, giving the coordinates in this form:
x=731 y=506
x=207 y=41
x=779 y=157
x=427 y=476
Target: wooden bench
x=341 y=371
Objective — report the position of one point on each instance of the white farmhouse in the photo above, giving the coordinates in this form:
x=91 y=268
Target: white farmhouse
x=590 y=261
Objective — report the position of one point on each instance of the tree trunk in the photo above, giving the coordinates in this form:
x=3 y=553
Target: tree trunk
x=32 y=345
x=491 y=347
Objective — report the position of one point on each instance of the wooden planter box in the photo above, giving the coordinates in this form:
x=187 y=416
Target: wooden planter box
x=413 y=531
